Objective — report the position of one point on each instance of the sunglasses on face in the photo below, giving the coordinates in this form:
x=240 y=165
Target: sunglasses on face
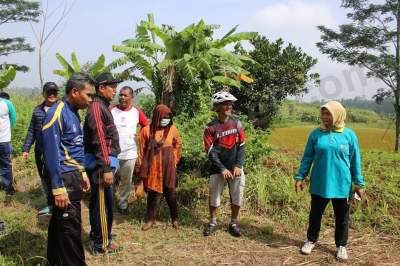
x=52 y=92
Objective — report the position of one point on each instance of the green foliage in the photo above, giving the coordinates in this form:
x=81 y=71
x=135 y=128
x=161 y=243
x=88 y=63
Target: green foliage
x=93 y=69
x=7 y=75
x=181 y=66
x=147 y=103
x=280 y=72
x=295 y=113
x=370 y=40
x=14 y=11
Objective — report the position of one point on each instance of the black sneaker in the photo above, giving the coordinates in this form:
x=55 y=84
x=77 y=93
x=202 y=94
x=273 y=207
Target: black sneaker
x=209 y=229
x=234 y=230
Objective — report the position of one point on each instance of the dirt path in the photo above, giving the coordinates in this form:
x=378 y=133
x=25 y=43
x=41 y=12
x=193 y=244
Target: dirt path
x=164 y=245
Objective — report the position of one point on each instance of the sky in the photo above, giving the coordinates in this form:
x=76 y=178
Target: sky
x=92 y=27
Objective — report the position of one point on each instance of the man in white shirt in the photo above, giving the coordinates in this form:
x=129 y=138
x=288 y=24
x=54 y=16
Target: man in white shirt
x=7 y=122
x=127 y=118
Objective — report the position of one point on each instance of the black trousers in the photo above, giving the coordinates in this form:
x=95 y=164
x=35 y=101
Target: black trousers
x=46 y=181
x=65 y=246
x=341 y=210
x=153 y=198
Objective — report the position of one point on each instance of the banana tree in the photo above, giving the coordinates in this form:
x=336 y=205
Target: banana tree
x=69 y=68
x=7 y=75
x=181 y=67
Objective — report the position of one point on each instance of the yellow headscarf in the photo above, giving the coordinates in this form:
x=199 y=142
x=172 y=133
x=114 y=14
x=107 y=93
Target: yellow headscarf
x=338 y=113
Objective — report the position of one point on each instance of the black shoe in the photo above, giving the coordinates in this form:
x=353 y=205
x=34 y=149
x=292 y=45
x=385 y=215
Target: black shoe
x=209 y=229
x=234 y=230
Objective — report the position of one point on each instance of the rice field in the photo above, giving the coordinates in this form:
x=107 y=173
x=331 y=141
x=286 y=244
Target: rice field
x=370 y=139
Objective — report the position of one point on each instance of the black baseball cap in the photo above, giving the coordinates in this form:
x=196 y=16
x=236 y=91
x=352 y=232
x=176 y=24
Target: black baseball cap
x=50 y=86
x=106 y=78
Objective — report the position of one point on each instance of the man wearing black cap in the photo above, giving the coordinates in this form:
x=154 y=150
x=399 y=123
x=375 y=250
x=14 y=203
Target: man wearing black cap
x=102 y=148
x=34 y=134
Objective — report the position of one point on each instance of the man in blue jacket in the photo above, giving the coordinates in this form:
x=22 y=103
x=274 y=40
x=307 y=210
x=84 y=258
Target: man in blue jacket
x=64 y=159
x=34 y=135
x=8 y=117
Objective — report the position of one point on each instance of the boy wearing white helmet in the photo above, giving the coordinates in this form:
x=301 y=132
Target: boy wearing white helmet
x=224 y=144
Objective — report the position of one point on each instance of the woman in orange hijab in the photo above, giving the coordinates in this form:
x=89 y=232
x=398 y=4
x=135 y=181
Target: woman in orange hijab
x=160 y=152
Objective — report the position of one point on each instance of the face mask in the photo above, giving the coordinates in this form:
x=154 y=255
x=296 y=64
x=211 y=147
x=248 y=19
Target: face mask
x=164 y=122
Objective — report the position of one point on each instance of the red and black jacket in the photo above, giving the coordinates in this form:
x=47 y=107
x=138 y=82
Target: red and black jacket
x=224 y=144
x=100 y=133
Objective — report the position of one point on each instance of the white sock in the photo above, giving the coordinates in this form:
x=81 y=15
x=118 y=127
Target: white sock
x=213 y=221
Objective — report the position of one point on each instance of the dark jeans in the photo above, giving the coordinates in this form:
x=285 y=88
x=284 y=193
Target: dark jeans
x=6 y=167
x=64 y=245
x=100 y=213
x=341 y=210
x=46 y=181
x=153 y=198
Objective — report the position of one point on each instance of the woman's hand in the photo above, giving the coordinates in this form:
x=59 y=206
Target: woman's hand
x=237 y=171
x=298 y=185
x=361 y=192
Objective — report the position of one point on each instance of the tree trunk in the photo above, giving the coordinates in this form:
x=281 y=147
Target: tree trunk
x=40 y=67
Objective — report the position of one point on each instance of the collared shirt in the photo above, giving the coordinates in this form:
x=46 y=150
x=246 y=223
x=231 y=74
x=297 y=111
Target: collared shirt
x=335 y=160
x=126 y=122
x=63 y=145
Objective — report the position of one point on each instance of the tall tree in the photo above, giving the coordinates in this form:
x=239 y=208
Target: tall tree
x=182 y=66
x=12 y=11
x=281 y=72
x=48 y=28
x=371 y=40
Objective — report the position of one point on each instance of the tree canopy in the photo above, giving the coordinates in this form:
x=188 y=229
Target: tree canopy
x=280 y=72
x=371 y=40
x=12 y=11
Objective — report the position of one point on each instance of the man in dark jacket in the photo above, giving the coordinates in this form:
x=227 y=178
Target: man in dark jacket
x=34 y=135
x=64 y=160
x=102 y=148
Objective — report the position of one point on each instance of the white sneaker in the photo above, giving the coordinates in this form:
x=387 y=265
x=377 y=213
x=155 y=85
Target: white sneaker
x=341 y=253
x=307 y=247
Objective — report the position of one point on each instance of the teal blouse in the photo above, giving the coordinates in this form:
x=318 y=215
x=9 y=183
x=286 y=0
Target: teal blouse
x=336 y=163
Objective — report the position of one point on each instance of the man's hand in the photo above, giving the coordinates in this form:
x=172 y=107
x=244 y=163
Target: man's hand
x=25 y=155
x=62 y=201
x=298 y=185
x=108 y=179
x=237 y=171
x=86 y=182
x=226 y=174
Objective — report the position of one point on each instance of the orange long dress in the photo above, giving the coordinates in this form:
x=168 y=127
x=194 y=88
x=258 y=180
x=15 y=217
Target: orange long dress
x=155 y=178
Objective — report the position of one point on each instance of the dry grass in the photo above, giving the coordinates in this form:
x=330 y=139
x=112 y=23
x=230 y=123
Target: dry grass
x=295 y=138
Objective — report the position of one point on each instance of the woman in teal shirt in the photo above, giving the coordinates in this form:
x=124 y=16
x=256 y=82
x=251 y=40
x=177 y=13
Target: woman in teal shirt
x=333 y=152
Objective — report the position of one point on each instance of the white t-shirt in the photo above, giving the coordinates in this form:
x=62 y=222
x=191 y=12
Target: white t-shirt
x=126 y=122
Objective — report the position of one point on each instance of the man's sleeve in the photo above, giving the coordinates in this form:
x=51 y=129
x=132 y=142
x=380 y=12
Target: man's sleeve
x=30 y=135
x=12 y=113
x=98 y=139
x=142 y=118
x=240 y=156
x=52 y=135
x=212 y=153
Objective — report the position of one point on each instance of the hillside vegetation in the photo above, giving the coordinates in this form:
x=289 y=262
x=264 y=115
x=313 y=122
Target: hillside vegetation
x=274 y=219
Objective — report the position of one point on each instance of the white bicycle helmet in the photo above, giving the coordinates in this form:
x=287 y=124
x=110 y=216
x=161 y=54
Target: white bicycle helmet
x=222 y=96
